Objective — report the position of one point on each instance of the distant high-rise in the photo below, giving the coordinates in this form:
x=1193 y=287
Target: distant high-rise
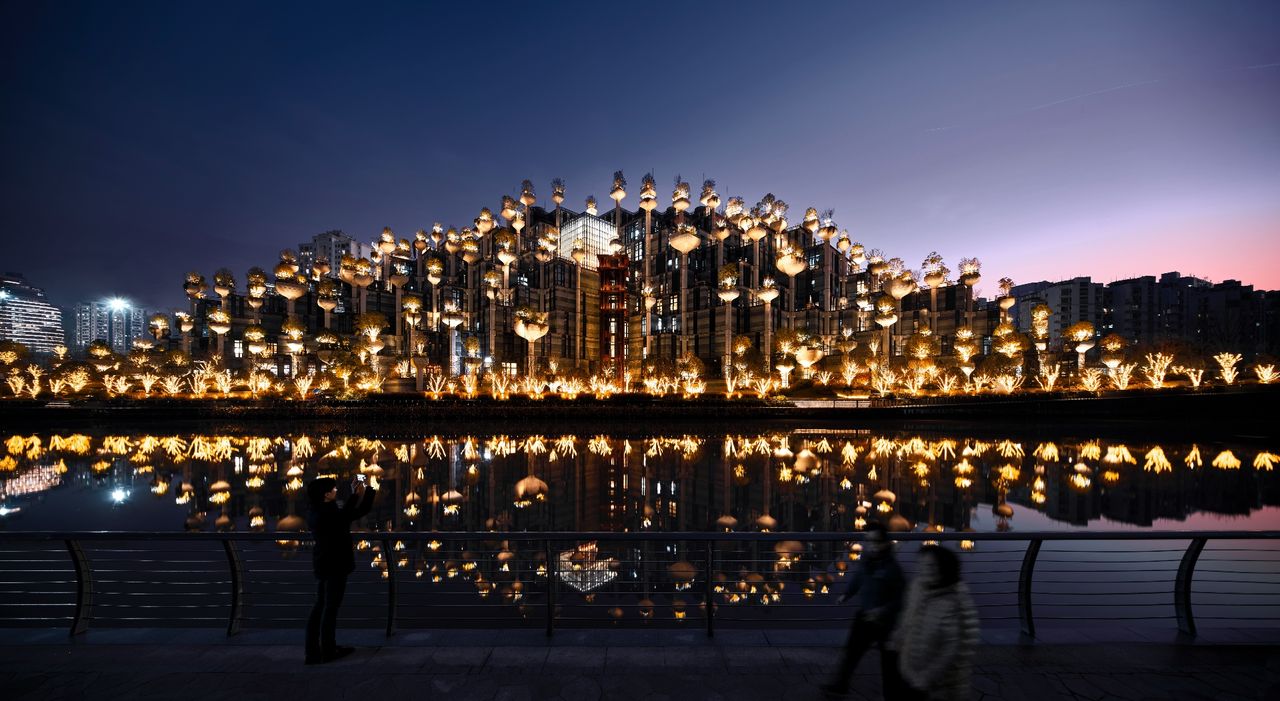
x=112 y=320
x=331 y=245
x=27 y=317
x=1152 y=310
x=1071 y=301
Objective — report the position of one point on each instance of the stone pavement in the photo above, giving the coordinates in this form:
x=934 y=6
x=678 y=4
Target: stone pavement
x=651 y=665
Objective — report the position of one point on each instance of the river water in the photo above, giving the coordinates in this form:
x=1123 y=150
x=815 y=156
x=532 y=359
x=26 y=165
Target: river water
x=799 y=480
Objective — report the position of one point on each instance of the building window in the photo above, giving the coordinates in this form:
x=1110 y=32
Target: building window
x=237 y=348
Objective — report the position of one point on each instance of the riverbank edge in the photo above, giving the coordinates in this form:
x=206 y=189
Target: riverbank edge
x=1242 y=411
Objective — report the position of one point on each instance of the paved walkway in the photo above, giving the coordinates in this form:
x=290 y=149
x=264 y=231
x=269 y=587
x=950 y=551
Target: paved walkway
x=651 y=665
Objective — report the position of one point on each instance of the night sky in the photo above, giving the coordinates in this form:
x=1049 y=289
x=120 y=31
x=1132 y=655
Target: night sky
x=1109 y=139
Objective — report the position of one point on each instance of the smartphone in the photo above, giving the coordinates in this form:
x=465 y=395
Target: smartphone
x=360 y=477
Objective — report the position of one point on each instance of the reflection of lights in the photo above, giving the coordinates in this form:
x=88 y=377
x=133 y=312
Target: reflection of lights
x=1156 y=461
x=5 y=510
x=39 y=479
x=1119 y=453
x=1193 y=459
x=581 y=568
x=272 y=463
x=1226 y=460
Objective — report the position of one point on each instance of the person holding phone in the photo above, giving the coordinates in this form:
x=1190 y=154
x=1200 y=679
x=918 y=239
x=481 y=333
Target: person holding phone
x=333 y=559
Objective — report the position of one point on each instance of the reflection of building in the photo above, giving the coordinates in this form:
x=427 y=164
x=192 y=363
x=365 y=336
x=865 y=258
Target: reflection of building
x=27 y=317
x=112 y=320
x=660 y=483
x=40 y=478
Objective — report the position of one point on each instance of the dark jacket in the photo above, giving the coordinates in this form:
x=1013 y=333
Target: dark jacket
x=936 y=637
x=878 y=584
x=334 y=555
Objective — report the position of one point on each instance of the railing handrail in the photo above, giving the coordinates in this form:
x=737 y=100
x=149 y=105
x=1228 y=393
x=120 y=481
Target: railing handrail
x=73 y=541
x=640 y=536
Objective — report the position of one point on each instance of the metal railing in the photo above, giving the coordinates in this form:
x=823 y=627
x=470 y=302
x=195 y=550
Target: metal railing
x=573 y=579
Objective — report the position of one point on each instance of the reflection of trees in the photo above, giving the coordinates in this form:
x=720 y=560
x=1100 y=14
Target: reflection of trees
x=795 y=481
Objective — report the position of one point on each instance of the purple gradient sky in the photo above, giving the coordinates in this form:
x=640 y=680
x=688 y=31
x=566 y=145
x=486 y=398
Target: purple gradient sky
x=1050 y=140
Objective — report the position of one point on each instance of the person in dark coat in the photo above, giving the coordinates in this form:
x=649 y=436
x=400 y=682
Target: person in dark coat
x=333 y=560
x=878 y=585
x=938 y=629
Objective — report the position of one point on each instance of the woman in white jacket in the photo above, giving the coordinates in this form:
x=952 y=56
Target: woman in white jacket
x=938 y=629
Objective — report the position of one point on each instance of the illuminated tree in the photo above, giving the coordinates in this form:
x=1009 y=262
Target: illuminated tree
x=897 y=287
x=1006 y=299
x=224 y=284
x=648 y=202
x=219 y=322
x=327 y=299
x=970 y=274
x=935 y=275
x=289 y=283
x=531 y=326
x=1156 y=368
x=1081 y=334
x=766 y=293
x=195 y=288
x=728 y=291
x=1227 y=366
x=256 y=287
x=159 y=324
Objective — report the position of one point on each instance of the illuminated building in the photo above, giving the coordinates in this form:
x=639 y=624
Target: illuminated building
x=1071 y=301
x=593 y=231
x=613 y=312
x=27 y=317
x=113 y=320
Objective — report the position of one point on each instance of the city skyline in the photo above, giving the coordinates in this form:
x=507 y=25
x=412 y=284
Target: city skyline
x=1051 y=142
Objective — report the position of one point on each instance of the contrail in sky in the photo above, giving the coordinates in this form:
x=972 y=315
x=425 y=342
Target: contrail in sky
x=1091 y=94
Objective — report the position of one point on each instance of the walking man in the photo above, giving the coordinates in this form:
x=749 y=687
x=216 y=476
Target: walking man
x=878 y=585
x=334 y=558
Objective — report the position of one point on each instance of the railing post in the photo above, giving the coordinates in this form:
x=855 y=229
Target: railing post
x=710 y=591
x=84 y=587
x=1024 y=587
x=390 y=554
x=236 y=566
x=551 y=588
x=1182 y=586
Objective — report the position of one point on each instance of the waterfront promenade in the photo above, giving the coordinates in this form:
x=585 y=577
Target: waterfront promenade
x=1116 y=663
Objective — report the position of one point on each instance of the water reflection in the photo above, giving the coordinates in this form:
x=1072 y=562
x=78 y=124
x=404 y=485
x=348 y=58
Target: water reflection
x=788 y=481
